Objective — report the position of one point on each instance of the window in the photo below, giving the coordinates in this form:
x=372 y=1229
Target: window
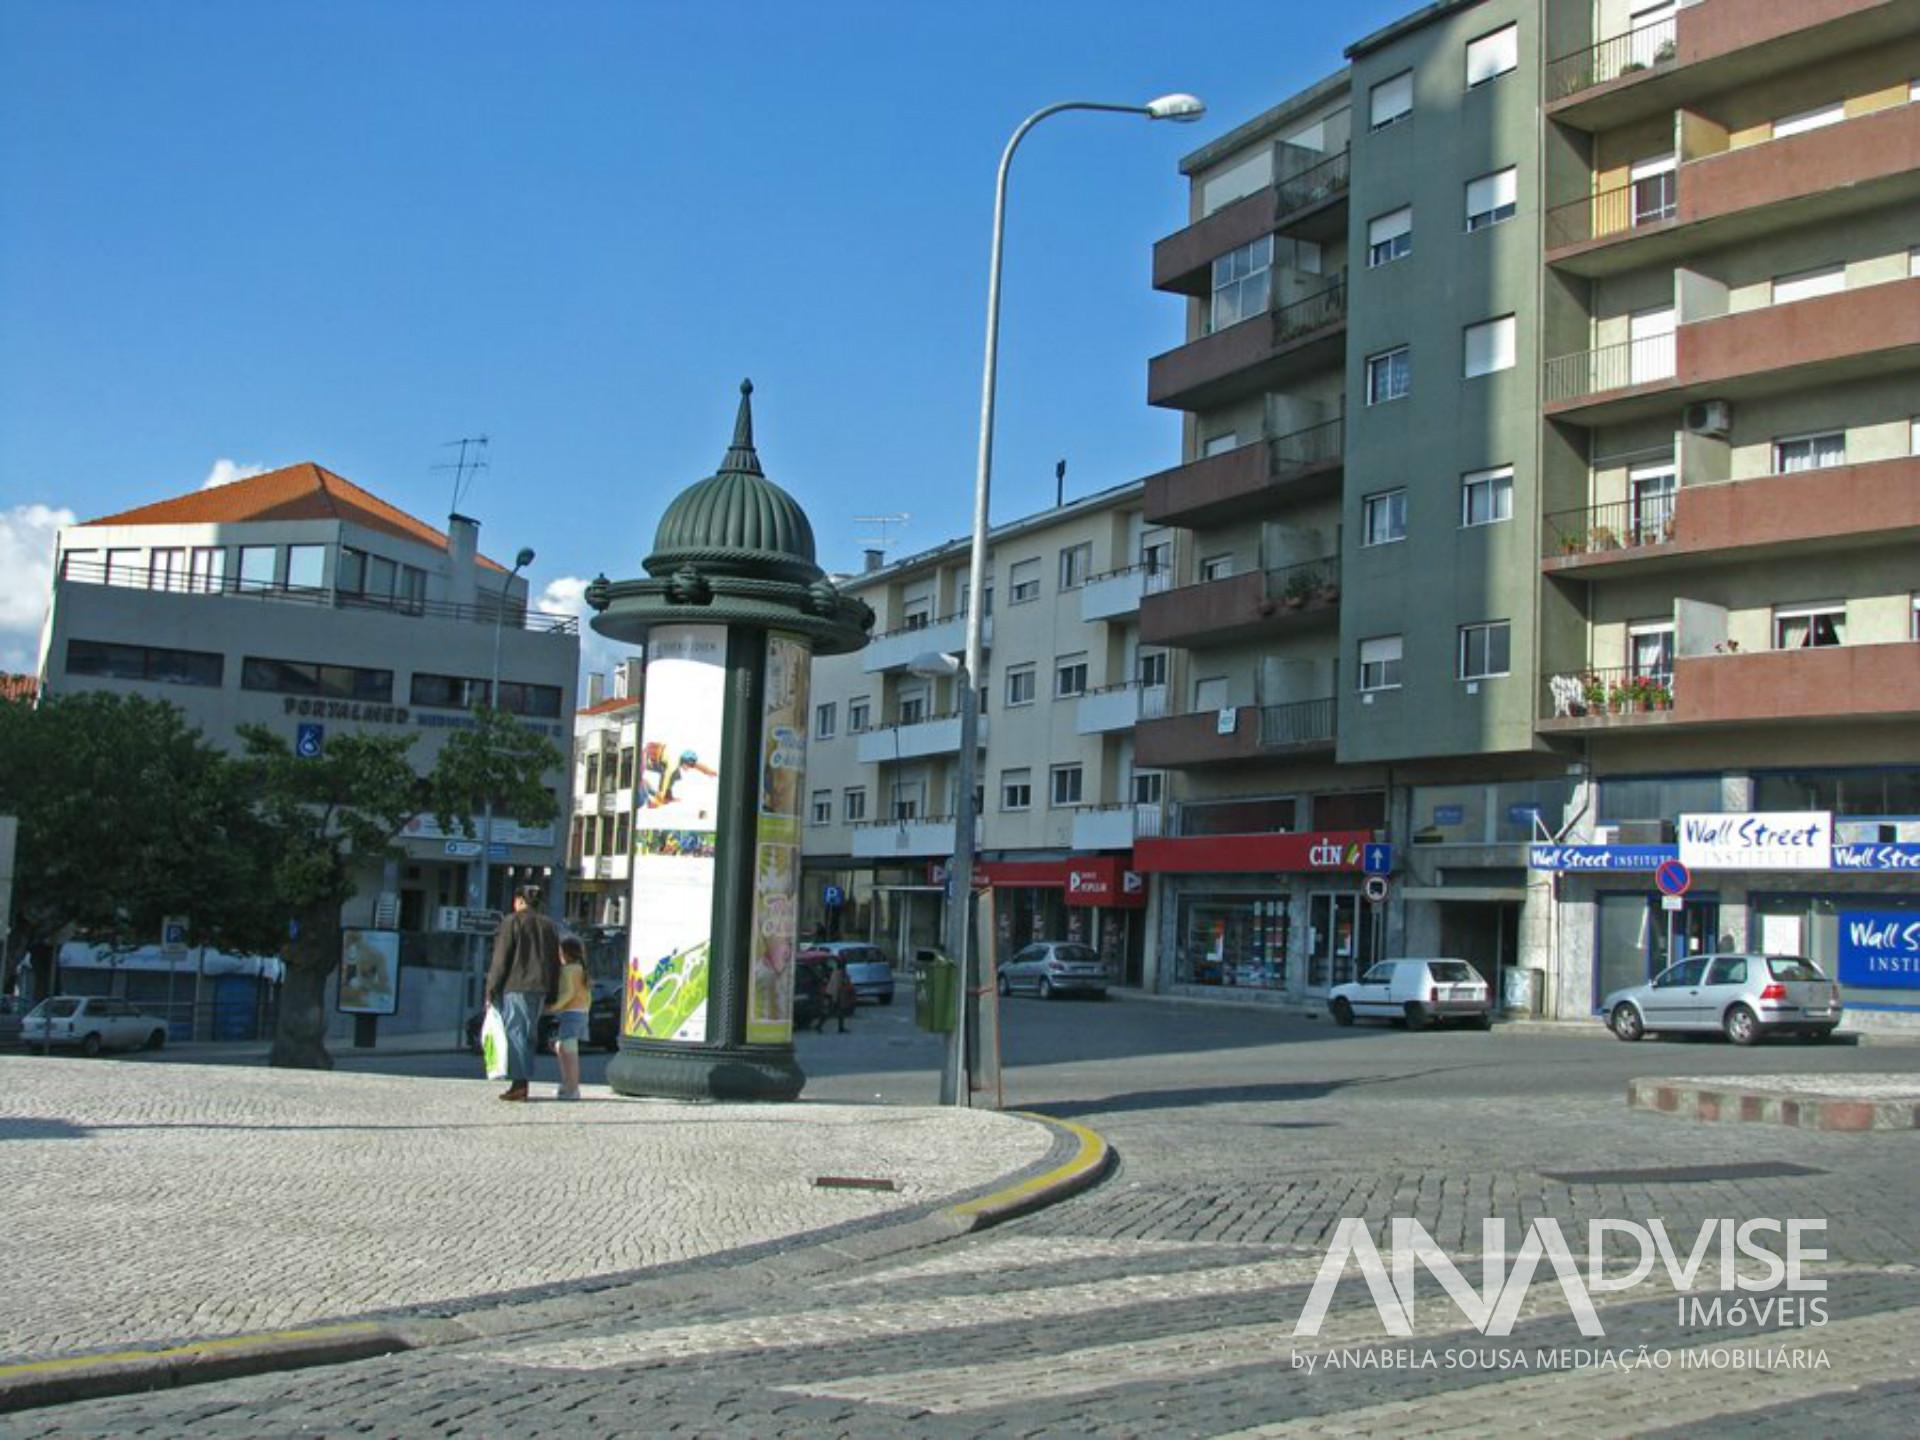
x=1070 y=676
x=307 y=677
x=593 y=770
x=1652 y=34
x=822 y=813
x=256 y=567
x=1025 y=579
x=411 y=593
x=1148 y=787
x=1152 y=667
x=1076 y=562
x=1020 y=685
x=1492 y=56
x=626 y=768
x=1650 y=346
x=144 y=662
x=857 y=713
x=1383 y=517
x=1805 y=284
x=1806 y=120
x=1156 y=556
x=590 y=836
x=1016 y=789
x=351 y=576
x=1655 y=192
x=853 y=804
x=912 y=707
x=1216 y=567
x=1065 y=785
x=1810 y=627
x=167 y=570
x=1650 y=648
x=1486 y=496
x=78 y=564
x=1485 y=650
x=1380 y=663
x=906 y=800
x=539 y=701
x=1809 y=452
x=1220 y=444
x=823 y=721
x=1389 y=237
x=919 y=612
x=124 y=568
x=1241 y=283
x=306 y=566
x=1492 y=198
x=448 y=692
x=1651 y=490
x=1391 y=100
x=208 y=568
x=622 y=833
x=1489 y=347
x=1389 y=375
x=1210 y=694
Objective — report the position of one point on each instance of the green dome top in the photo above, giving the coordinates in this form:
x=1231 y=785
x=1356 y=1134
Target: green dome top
x=735 y=517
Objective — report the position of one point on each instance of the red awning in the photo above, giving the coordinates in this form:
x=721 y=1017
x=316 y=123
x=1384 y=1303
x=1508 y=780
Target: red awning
x=1312 y=850
x=1087 y=879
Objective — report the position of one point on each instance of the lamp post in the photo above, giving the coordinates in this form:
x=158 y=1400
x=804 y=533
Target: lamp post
x=970 y=1037
x=478 y=889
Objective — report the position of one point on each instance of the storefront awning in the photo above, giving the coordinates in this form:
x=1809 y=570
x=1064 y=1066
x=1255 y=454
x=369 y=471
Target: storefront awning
x=1307 y=851
x=1086 y=879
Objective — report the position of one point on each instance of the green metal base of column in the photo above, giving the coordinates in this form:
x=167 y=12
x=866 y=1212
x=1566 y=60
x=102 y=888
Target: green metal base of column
x=689 y=1072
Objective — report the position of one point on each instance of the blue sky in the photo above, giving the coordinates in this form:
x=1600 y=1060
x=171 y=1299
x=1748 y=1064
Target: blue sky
x=349 y=232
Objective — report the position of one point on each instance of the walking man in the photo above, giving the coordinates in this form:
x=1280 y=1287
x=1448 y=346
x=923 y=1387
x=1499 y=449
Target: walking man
x=524 y=977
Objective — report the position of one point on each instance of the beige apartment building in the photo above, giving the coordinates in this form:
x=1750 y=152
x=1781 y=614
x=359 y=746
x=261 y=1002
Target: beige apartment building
x=1548 y=477
x=1063 y=797
x=606 y=788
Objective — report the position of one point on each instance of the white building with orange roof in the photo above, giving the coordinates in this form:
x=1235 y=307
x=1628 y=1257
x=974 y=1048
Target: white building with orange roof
x=299 y=601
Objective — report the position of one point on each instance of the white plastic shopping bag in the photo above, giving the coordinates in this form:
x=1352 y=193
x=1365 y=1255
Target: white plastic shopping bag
x=493 y=1044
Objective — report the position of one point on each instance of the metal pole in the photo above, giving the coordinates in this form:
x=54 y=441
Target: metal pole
x=477 y=886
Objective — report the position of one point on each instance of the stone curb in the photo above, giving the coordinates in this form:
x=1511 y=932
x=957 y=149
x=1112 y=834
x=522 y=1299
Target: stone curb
x=65 y=1379
x=1691 y=1101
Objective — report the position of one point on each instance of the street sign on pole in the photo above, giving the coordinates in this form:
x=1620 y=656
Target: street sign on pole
x=1374 y=887
x=173 y=935
x=1672 y=879
x=1376 y=859
x=1672 y=902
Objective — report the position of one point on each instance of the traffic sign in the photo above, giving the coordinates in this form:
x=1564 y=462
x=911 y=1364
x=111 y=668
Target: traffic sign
x=1672 y=878
x=833 y=897
x=1376 y=859
x=173 y=935
x=1672 y=902
x=1374 y=887
x=463 y=849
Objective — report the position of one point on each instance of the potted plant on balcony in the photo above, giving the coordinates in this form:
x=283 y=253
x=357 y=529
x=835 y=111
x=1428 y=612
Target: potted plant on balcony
x=1594 y=692
x=1298 y=590
x=1601 y=537
x=1658 y=694
x=1665 y=53
x=1329 y=590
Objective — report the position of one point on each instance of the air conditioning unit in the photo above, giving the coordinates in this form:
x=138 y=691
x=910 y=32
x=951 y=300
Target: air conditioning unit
x=1709 y=417
x=1606 y=834
x=1645 y=832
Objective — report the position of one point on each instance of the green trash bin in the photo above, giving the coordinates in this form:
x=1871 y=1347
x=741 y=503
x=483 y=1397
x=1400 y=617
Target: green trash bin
x=935 y=994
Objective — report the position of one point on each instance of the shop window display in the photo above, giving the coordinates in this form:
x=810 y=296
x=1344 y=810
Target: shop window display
x=1238 y=940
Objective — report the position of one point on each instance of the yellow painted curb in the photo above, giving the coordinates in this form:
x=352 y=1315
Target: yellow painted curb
x=1080 y=1170
x=31 y=1368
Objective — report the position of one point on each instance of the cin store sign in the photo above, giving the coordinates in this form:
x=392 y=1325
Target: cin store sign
x=1880 y=949
x=1760 y=840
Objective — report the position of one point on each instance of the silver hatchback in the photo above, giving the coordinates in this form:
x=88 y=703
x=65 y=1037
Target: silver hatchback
x=1742 y=996
x=1055 y=967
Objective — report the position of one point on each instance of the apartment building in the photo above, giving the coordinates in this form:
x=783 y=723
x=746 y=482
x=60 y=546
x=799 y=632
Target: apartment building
x=1063 y=797
x=606 y=789
x=1615 y=308
x=301 y=602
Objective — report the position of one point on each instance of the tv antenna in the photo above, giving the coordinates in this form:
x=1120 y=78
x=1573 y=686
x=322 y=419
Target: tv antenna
x=465 y=469
x=881 y=537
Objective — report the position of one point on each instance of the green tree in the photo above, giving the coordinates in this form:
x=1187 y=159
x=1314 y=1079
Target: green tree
x=126 y=816
x=331 y=815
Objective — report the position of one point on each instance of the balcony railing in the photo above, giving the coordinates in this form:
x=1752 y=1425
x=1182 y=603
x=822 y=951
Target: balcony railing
x=1646 y=201
x=1294 y=585
x=1619 y=525
x=514 y=616
x=1611 y=367
x=1646 y=48
x=1317 y=445
x=1312 y=185
x=1607 y=690
x=1313 y=313
x=1303 y=722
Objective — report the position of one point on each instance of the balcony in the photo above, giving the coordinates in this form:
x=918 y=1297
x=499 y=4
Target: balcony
x=1739 y=521
x=1219 y=612
x=1114 y=827
x=1868 y=162
x=1116 y=594
x=1183 y=262
x=1213 y=737
x=1707 y=47
x=917 y=838
x=1829 y=339
x=1842 y=684
x=1118 y=707
x=934 y=735
x=1258 y=354
x=1253 y=479
x=897 y=649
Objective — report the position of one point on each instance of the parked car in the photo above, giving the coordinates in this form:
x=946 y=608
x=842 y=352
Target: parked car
x=1742 y=996
x=1055 y=967
x=1419 y=992
x=92 y=1023
x=867 y=965
x=603 y=1021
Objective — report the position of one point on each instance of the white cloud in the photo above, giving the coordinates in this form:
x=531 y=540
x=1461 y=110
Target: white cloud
x=225 y=472
x=597 y=653
x=26 y=576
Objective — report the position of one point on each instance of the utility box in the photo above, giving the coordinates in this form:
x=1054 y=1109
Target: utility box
x=936 y=994
x=1523 y=993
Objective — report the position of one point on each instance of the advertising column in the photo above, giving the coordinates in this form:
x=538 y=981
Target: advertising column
x=776 y=859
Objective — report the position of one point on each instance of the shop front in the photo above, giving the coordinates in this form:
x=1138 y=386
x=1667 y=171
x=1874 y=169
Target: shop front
x=1270 y=917
x=1090 y=899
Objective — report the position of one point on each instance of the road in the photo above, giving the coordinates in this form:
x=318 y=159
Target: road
x=1164 y=1301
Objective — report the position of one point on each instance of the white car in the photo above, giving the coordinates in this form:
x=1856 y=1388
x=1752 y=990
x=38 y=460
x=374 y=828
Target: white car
x=1420 y=992
x=92 y=1023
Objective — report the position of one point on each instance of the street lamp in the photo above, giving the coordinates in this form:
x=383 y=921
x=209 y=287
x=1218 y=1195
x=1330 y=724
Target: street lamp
x=956 y=1080
x=484 y=865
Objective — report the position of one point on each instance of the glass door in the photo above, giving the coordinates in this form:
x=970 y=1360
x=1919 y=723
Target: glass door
x=1338 y=939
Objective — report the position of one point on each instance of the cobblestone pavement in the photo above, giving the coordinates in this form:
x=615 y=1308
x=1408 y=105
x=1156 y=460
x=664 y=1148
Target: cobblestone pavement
x=208 y=1202
x=1163 y=1303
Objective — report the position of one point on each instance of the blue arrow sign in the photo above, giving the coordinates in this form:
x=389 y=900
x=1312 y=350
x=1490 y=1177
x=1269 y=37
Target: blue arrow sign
x=1376 y=859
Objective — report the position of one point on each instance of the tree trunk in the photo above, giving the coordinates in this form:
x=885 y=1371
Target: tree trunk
x=299 y=1038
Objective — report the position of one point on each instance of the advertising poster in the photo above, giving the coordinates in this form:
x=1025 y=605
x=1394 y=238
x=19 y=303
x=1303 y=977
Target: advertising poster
x=674 y=828
x=776 y=865
x=369 y=972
